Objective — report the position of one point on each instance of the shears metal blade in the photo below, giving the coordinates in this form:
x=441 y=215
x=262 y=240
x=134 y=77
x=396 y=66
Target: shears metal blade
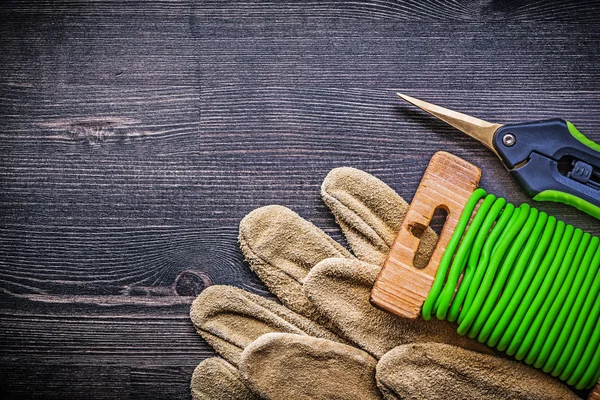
x=474 y=127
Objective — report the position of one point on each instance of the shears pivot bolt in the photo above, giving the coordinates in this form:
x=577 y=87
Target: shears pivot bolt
x=509 y=140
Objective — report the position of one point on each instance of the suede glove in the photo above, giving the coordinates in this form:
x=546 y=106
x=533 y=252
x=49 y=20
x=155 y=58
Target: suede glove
x=317 y=278
x=245 y=329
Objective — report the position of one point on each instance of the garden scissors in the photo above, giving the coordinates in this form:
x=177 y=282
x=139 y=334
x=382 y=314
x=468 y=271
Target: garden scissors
x=551 y=159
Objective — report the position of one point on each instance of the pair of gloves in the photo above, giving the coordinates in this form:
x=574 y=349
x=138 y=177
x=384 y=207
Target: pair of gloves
x=325 y=340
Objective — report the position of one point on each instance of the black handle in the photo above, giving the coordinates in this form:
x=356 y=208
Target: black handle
x=553 y=162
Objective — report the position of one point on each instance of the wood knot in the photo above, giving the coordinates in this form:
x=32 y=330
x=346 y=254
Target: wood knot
x=191 y=283
x=90 y=129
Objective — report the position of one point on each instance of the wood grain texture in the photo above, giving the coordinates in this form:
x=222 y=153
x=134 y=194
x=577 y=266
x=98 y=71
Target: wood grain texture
x=134 y=136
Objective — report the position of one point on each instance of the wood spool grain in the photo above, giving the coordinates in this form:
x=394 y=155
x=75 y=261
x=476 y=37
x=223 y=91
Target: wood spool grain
x=447 y=183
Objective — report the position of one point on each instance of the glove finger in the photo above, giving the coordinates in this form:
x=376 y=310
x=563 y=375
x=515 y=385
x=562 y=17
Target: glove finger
x=370 y=214
x=281 y=366
x=281 y=248
x=229 y=319
x=340 y=289
x=435 y=371
x=216 y=379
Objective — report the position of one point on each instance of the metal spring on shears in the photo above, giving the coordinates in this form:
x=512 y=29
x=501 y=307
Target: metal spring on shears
x=525 y=283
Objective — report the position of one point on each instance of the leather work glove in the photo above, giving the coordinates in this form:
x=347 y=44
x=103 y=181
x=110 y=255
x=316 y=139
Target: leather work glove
x=325 y=339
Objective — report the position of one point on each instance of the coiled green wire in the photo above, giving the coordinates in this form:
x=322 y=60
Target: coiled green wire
x=524 y=283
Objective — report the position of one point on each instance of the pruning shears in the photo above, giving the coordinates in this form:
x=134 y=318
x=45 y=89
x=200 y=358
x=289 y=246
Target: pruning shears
x=551 y=159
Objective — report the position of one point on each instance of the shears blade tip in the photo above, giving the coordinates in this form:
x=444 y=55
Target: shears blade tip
x=474 y=127
x=405 y=97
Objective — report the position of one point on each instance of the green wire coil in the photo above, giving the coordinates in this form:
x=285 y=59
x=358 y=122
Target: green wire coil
x=525 y=283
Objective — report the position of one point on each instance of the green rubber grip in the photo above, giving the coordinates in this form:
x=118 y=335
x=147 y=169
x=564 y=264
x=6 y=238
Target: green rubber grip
x=581 y=137
x=569 y=199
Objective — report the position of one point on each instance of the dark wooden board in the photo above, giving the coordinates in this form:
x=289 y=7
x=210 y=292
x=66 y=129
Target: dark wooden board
x=134 y=137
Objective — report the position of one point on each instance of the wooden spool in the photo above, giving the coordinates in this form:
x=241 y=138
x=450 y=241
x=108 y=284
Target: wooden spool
x=402 y=289
x=448 y=183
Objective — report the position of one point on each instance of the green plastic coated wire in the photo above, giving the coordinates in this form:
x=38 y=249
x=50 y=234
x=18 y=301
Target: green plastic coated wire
x=524 y=283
